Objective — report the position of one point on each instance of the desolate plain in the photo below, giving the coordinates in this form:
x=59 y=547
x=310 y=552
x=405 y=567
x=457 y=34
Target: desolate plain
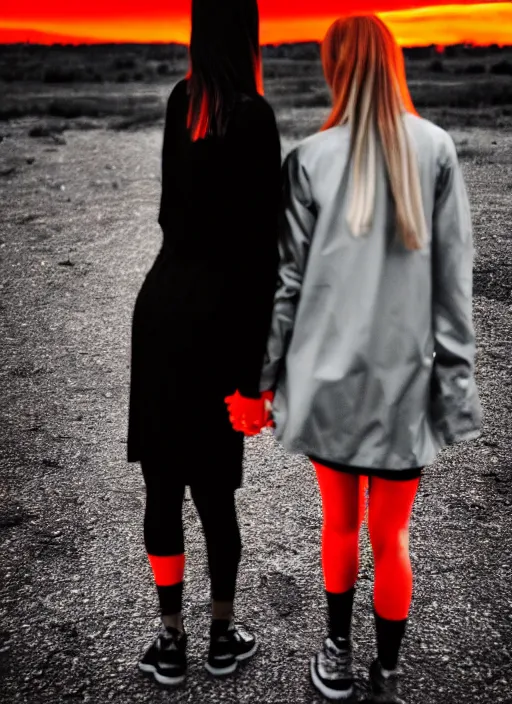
x=78 y=233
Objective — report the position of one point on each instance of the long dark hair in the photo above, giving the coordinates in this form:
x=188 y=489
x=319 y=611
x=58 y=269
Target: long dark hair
x=225 y=61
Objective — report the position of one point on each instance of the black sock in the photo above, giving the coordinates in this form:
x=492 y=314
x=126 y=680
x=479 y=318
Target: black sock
x=219 y=627
x=340 y=613
x=170 y=599
x=389 y=639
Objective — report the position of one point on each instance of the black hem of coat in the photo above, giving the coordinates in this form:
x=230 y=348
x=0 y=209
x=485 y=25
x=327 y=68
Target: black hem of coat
x=392 y=474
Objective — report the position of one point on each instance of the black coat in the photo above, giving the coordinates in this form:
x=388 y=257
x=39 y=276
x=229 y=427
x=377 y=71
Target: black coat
x=202 y=315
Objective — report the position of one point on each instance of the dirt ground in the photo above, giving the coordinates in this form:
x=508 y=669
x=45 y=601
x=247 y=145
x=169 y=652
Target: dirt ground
x=77 y=605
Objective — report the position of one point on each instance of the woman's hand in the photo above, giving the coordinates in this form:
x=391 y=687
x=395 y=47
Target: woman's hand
x=268 y=397
x=249 y=415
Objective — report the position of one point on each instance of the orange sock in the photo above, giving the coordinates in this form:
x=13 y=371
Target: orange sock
x=167 y=571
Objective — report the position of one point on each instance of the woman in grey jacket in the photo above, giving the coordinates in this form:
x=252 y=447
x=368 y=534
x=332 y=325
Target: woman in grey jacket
x=371 y=348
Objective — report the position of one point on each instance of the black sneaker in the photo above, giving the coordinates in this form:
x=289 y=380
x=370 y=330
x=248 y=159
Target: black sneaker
x=331 y=670
x=384 y=686
x=166 y=658
x=228 y=648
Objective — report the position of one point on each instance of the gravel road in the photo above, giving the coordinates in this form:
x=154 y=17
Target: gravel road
x=77 y=605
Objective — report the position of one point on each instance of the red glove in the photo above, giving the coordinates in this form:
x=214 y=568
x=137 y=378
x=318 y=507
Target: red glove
x=248 y=415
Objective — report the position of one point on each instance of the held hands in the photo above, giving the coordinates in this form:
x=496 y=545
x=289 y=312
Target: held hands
x=250 y=415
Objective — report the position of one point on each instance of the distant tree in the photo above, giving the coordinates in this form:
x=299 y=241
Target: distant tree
x=57 y=74
x=502 y=68
x=436 y=66
x=452 y=51
x=125 y=63
x=268 y=51
x=179 y=51
x=163 y=69
x=419 y=52
x=474 y=68
x=305 y=51
x=300 y=51
x=479 y=51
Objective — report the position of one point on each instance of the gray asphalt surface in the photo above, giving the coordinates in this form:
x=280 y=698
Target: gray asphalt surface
x=77 y=604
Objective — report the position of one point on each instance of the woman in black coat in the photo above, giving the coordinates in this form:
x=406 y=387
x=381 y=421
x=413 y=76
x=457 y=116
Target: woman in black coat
x=193 y=341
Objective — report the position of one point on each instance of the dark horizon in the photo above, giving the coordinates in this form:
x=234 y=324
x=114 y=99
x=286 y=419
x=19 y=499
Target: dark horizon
x=96 y=44
x=49 y=39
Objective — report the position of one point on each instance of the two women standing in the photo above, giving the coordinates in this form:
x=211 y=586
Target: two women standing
x=370 y=355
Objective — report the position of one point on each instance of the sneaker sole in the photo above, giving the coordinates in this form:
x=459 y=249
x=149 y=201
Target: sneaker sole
x=248 y=654
x=172 y=681
x=222 y=671
x=333 y=694
x=161 y=679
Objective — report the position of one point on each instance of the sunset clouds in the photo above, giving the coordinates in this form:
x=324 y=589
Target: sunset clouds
x=413 y=23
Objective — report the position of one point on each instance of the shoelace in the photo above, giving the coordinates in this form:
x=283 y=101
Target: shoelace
x=333 y=660
x=167 y=641
x=389 y=684
x=241 y=634
x=235 y=632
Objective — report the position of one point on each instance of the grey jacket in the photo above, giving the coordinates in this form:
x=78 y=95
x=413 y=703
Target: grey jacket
x=371 y=348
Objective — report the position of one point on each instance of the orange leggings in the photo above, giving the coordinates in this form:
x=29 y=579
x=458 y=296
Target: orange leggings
x=389 y=511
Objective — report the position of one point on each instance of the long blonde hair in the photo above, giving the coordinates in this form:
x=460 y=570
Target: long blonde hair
x=364 y=67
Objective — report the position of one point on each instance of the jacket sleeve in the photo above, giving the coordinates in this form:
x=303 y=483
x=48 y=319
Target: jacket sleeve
x=298 y=218
x=256 y=196
x=456 y=411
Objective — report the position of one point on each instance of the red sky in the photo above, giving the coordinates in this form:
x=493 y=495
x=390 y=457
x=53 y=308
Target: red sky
x=413 y=22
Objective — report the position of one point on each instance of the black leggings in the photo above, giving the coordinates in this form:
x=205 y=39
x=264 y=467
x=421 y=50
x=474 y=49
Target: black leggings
x=163 y=531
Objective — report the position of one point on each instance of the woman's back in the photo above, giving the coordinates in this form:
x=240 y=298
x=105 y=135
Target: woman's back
x=375 y=289
x=364 y=337
x=192 y=337
x=205 y=183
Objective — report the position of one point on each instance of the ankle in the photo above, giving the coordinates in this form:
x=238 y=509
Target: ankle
x=388 y=673
x=339 y=608
x=219 y=627
x=390 y=634
x=341 y=642
x=222 y=610
x=174 y=621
